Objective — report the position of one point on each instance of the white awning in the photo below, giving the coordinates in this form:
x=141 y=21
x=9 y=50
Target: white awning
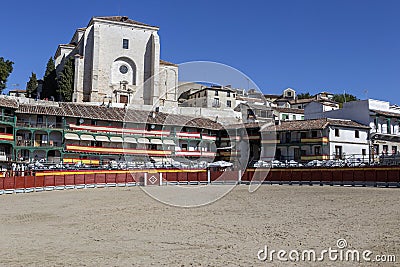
x=87 y=137
x=117 y=139
x=130 y=140
x=143 y=141
x=169 y=142
x=102 y=138
x=71 y=136
x=156 y=141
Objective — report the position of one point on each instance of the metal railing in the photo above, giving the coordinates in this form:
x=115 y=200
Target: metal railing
x=58 y=125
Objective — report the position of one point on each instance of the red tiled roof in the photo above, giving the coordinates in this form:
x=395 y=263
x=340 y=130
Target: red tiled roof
x=386 y=113
x=289 y=110
x=111 y=114
x=166 y=63
x=314 y=125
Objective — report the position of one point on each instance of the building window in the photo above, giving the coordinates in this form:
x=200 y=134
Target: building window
x=294 y=117
x=364 y=152
x=376 y=149
x=389 y=127
x=125 y=43
x=216 y=93
x=228 y=94
x=123 y=99
x=314 y=134
x=228 y=103
x=385 y=149
x=394 y=150
x=338 y=152
x=123 y=69
x=337 y=133
x=357 y=134
x=285 y=116
x=216 y=103
x=317 y=150
x=263 y=114
x=376 y=122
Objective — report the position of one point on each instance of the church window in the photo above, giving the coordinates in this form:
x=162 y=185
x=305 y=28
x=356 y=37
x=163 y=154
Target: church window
x=125 y=43
x=123 y=69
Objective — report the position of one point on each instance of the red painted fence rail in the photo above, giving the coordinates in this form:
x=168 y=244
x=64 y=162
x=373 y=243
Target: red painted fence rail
x=375 y=176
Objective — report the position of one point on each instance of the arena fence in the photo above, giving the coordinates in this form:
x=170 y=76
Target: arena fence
x=60 y=180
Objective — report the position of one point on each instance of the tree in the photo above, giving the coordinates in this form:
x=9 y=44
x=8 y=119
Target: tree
x=66 y=81
x=341 y=98
x=304 y=96
x=6 y=67
x=31 y=86
x=49 y=80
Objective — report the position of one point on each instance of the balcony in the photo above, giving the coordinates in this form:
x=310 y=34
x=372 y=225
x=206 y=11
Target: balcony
x=270 y=141
x=5 y=118
x=314 y=157
x=40 y=125
x=116 y=151
x=323 y=140
x=38 y=143
x=216 y=104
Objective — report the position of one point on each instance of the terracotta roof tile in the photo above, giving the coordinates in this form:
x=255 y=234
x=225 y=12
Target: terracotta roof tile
x=314 y=125
x=386 y=113
x=289 y=110
x=8 y=102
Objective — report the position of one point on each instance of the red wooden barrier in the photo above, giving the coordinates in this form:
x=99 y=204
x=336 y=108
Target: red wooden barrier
x=171 y=176
x=49 y=180
x=89 y=179
x=192 y=177
x=182 y=177
x=359 y=176
x=79 y=178
x=19 y=182
x=286 y=176
x=29 y=181
x=325 y=176
x=202 y=176
x=59 y=180
x=39 y=181
x=100 y=178
x=69 y=179
x=393 y=176
x=130 y=178
x=9 y=182
x=121 y=178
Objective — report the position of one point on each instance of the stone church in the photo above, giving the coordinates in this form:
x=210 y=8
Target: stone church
x=118 y=59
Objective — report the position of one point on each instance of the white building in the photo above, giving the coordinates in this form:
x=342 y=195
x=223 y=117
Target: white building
x=216 y=97
x=118 y=59
x=383 y=119
x=318 y=139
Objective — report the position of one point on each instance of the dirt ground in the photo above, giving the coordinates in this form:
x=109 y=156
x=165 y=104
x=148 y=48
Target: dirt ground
x=126 y=227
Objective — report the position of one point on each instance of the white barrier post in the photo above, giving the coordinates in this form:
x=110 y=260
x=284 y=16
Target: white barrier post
x=160 y=178
x=145 y=179
x=240 y=177
x=208 y=177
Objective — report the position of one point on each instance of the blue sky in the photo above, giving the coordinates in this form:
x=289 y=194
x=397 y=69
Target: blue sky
x=311 y=46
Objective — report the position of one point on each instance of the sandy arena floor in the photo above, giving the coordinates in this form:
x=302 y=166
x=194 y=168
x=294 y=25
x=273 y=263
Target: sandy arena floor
x=125 y=227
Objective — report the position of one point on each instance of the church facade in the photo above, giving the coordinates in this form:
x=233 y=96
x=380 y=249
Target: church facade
x=118 y=60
